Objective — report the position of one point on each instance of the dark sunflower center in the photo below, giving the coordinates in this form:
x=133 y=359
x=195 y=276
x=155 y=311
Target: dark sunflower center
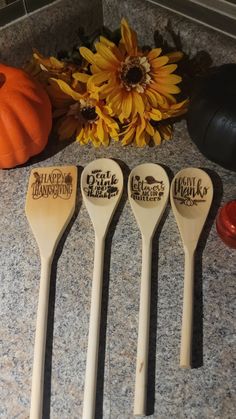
x=134 y=75
x=89 y=113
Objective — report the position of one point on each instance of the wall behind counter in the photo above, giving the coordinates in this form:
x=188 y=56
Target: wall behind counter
x=50 y=29
x=146 y=17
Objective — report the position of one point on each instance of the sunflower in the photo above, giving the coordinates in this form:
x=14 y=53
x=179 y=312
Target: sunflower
x=60 y=100
x=141 y=131
x=85 y=118
x=153 y=125
x=43 y=68
x=172 y=110
x=47 y=69
x=128 y=78
x=118 y=92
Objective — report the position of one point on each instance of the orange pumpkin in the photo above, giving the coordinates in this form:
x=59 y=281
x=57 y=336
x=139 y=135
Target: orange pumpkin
x=25 y=117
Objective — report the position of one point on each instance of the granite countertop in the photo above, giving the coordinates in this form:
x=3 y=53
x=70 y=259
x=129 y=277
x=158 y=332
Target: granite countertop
x=204 y=392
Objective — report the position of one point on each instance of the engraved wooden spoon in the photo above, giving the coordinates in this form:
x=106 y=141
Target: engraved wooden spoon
x=148 y=192
x=50 y=204
x=101 y=187
x=191 y=197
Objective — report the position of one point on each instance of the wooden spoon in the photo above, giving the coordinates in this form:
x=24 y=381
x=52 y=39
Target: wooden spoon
x=101 y=187
x=191 y=197
x=148 y=192
x=50 y=204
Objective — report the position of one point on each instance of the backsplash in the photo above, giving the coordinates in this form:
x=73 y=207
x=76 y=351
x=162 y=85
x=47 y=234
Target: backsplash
x=55 y=27
x=49 y=30
x=145 y=18
x=10 y=10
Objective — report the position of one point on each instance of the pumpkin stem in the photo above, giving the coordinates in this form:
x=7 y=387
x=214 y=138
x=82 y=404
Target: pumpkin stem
x=2 y=79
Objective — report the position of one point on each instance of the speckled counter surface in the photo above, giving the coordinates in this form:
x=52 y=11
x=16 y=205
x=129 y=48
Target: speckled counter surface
x=204 y=392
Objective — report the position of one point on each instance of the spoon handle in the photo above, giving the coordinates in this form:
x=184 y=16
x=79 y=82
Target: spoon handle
x=187 y=319
x=143 y=331
x=94 y=329
x=40 y=341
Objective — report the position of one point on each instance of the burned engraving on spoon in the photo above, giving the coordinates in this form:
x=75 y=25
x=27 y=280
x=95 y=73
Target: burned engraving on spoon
x=190 y=191
x=101 y=184
x=56 y=184
x=147 y=189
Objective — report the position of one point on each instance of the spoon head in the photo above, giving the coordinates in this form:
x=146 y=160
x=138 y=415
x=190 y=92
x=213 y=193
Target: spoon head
x=191 y=196
x=101 y=187
x=50 y=204
x=148 y=191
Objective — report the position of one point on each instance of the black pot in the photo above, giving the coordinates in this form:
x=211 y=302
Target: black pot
x=211 y=118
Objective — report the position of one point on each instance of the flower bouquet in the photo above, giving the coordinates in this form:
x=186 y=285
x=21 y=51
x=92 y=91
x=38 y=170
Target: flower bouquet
x=117 y=92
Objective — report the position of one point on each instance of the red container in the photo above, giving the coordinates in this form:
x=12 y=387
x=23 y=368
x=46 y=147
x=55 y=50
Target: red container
x=226 y=223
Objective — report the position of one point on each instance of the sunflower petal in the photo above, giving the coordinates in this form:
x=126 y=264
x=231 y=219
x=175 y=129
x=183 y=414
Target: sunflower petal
x=168 y=79
x=116 y=106
x=159 y=62
x=106 y=139
x=174 y=57
x=165 y=89
x=138 y=103
x=107 y=119
x=154 y=53
x=167 y=69
x=58 y=98
x=56 y=63
x=168 y=88
x=79 y=134
x=81 y=77
x=179 y=105
x=155 y=99
x=129 y=38
x=116 y=51
x=114 y=134
x=157 y=138
x=166 y=132
x=94 y=69
x=104 y=64
x=113 y=94
x=150 y=130
x=107 y=54
x=128 y=137
x=106 y=42
x=139 y=132
x=67 y=89
x=99 y=78
x=140 y=138
x=155 y=114
x=127 y=105
x=100 y=130
x=108 y=88
x=87 y=54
